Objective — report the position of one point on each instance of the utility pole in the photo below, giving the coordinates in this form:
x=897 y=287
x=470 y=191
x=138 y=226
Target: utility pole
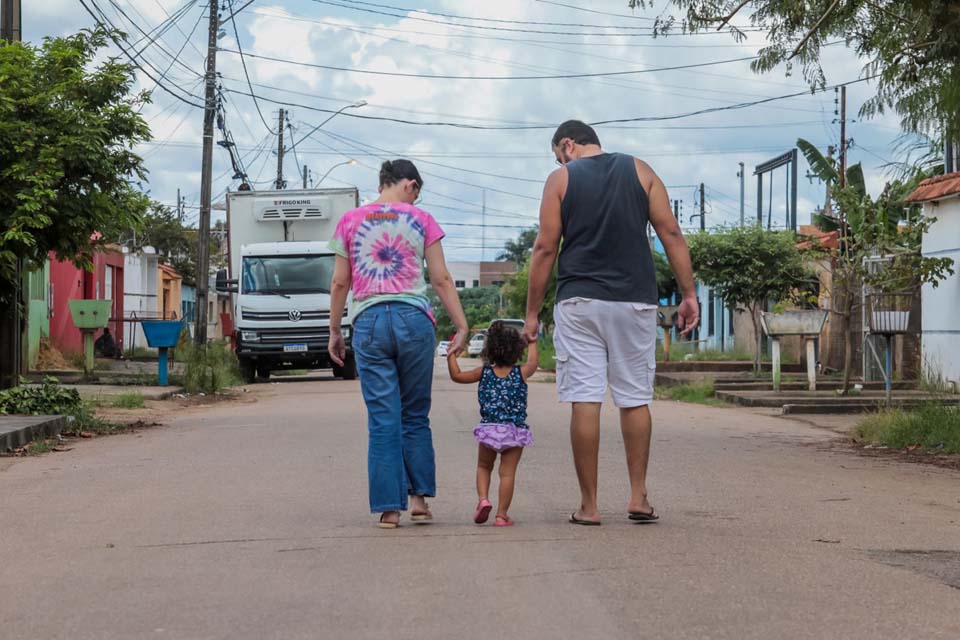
x=703 y=209
x=10 y=20
x=676 y=210
x=742 y=196
x=843 y=136
x=206 y=177
x=305 y=173
x=10 y=321
x=279 y=184
x=483 y=228
x=179 y=207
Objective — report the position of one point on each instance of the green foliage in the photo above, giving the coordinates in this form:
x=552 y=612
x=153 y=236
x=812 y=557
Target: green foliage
x=696 y=392
x=667 y=286
x=176 y=244
x=480 y=305
x=209 y=369
x=132 y=400
x=68 y=123
x=547 y=353
x=518 y=249
x=933 y=426
x=48 y=398
x=515 y=295
x=912 y=47
x=747 y=266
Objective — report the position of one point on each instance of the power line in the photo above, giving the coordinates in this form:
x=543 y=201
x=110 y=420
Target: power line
x=246 y=73
x=649 y=34
x=566 y=76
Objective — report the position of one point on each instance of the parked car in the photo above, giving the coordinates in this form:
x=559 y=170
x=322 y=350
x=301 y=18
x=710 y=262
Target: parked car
x=442 y=348
x=513 y=323
x=475 y=346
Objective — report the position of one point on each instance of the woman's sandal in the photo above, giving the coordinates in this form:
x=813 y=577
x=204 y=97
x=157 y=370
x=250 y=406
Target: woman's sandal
x=421 y=516
x=388 y=525
x=502 y=521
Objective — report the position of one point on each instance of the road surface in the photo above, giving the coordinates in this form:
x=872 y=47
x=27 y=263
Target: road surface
x=250 y=520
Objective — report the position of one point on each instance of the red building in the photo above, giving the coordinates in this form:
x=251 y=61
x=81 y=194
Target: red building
x=67 y=282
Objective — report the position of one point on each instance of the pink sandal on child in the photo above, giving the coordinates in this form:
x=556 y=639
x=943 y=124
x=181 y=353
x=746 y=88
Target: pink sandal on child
x=502 y=521
x=483 y=511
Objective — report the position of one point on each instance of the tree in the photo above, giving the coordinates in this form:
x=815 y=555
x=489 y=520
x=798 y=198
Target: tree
x=870 y=229
x=748 y=266
x=68 y=126
x=912 y=47
x=515 y=295
x=480 y=305
x=667 y=286
x=177 y=245
x=518 y=250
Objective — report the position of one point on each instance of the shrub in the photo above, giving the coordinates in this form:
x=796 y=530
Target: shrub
x=209 y=369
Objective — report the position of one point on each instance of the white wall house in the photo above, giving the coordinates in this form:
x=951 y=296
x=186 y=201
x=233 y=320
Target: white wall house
x=140 y=271
x=941 y=305
x=466 y=275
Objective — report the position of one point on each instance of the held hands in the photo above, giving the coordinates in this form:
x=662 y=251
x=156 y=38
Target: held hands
x=459 y=343
x=688 y=315
x=337 y=348
x=530 y=330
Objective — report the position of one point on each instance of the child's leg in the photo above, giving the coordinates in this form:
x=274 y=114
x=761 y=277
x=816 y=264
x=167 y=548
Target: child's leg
x=486 y=457
x=509 y=460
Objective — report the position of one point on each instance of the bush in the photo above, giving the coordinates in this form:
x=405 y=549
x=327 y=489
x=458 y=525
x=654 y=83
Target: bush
x=50 y=399
x=547 y=353
x=209 y=369
x=933 y=426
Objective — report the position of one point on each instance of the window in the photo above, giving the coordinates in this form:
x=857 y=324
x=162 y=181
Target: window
x=282 y=275
x=459 y=284
x=497 y=283
x=711 y=313
x=476 y=283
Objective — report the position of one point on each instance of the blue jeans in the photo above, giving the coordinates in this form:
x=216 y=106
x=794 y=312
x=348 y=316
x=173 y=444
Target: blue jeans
x=394 y=344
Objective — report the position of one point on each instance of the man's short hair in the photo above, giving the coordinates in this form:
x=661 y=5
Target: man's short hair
x=579 y=132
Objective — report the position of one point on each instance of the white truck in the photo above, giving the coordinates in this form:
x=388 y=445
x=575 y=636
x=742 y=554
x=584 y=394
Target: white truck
x=280 y=267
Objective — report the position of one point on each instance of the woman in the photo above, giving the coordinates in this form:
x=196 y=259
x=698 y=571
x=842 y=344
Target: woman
x=380 y=251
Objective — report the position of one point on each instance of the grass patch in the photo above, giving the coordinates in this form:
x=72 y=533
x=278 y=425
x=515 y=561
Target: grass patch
x=933 y=427
x=209 y=369
x=39 y=447
x=140 y=353
x=133 y=400
x=696 y=392
x=679 y=351
x=290 y=372
x=547 y=353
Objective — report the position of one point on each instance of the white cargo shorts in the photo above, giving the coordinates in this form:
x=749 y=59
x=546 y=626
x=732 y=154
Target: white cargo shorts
x=601 y=343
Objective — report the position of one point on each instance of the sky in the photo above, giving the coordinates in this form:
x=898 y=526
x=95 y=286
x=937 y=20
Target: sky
x=312 y=57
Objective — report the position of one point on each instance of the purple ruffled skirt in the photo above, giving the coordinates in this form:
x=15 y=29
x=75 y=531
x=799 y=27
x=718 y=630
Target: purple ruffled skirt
x=502 y=436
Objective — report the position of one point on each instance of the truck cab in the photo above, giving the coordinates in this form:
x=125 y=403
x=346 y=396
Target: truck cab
x=283 y=309
x=280 y=271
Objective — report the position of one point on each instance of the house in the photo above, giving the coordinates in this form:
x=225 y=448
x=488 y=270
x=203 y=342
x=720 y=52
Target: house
x=69 y=282
x=940 y=323
x=470 y=275
x=151 y=291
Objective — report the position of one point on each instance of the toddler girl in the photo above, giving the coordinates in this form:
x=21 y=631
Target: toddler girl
x=503 y=413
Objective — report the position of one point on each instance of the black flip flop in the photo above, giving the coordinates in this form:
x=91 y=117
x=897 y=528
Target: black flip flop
x=587 y=523
x=642 y=517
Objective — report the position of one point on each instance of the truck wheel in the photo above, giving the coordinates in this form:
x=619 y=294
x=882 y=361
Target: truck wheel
x=248 y=372
x=263 y=373
x=349 y=369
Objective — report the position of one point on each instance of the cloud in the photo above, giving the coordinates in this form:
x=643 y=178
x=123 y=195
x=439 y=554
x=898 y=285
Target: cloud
x=309 y=32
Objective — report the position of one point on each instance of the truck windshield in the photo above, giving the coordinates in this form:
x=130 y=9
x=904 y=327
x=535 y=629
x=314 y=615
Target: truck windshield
x=270 y=275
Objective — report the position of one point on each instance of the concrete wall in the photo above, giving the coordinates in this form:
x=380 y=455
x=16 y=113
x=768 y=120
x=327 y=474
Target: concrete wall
x=140 y=300
x=941 y=305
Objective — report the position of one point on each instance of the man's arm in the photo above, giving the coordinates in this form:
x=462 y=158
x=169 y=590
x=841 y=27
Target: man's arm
x=545 y=249
x=668 y=230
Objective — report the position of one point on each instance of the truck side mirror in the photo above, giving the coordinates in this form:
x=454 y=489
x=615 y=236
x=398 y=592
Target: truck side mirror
x=224 y=285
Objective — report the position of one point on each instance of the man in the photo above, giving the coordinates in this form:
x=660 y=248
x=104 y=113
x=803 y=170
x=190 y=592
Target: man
x=598 y=204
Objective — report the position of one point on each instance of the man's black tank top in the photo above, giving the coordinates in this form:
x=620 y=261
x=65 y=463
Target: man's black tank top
x=605 y=253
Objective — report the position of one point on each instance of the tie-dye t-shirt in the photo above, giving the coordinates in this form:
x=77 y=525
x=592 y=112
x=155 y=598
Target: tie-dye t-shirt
x=385 y=244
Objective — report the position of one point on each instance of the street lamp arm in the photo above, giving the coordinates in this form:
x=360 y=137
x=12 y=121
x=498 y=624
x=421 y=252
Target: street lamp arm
x=355 y=105
x=339 y=164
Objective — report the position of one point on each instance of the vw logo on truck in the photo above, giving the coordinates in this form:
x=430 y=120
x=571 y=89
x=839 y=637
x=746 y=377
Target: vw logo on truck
x=295 y=315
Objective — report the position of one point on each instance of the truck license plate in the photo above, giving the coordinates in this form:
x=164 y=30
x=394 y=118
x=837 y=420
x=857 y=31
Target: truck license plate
x=294 y=348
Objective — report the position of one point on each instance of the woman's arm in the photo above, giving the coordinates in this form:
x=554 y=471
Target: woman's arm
x=530 y=366
x=463 y=377
x=447 y=292
x=339 y=288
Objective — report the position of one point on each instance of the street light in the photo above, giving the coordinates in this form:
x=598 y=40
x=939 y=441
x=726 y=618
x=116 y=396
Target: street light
x=355 y=105
x=351 y=162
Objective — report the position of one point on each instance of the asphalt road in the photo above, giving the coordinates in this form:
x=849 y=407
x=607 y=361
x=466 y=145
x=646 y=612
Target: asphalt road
x=250 y=521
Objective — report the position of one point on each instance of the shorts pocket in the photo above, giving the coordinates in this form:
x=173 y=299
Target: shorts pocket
x=562 y=364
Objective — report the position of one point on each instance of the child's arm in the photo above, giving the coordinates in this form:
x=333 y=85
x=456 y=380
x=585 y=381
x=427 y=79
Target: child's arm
x=463 y=377
x=530 y=366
